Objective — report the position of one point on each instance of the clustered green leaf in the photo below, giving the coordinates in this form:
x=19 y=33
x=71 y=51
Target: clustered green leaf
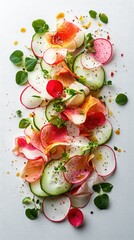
x=103 y=17
x=19 y=113
x=40 y=26
x=102 y=200
x=89 y=42
x=32 y=213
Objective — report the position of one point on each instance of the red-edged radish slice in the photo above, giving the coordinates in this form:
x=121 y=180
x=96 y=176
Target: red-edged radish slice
x=78 y=144
x=77 y=169
x=94 y=179
x=39 y=44
x=52 y=134
x=88 y=61
x=56 y=208
x=75 y=217
x=95 y=119
x=80 y=200
x=54 y=88
x=54 y=56
x=27 y=150
x=103 y=50
x=33 y=170
x=56 y=152
x=72 y=129
x=79 y=38
x=104 y=160
x=30 y=98
x=79 y=86
x=80 y=189
x=36 y=78
x=74 y=115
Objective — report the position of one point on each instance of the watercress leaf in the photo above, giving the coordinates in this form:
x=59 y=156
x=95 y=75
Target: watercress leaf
x=19 y=113
x=16 y=57
x=40 y=26
x=71 y=91
x=21 y=77
x=65 y=155
x=121 y=99
x=26 y=200
x=103 y=17
x=92 y=13
x=96 y=188
x=32 y=214
x=69 y=58
x=102 y=201
x=106 y=187
x=24 y=123
x=30 y=63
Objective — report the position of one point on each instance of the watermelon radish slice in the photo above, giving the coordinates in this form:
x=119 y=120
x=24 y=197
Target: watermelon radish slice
x=30 y=98
x=77 y=169
x=56 y=208
x=25 y=149
x=75 y=217
x=79 y=38
x=103 y=50
x=36 y=78
x=39 y=44
x=88 y=61
x=74 y=115
x=54 y=56
x=80 y=200
x=104 y=161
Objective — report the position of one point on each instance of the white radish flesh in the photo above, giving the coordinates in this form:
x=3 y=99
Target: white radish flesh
x=39 y=44
x=88 y=61
x=30 y=98
x=56 y=208
x=79 y=38
x=54 y=56
x=80 y=200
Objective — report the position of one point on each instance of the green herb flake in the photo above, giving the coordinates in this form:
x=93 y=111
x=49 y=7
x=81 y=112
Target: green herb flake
x=26 y=200
x=89 y=42
x=24 y=123
x=109 y=82
x=40 y=26
x=16 y=57
x=121 y=99
x=32 y=214
x=21 y=77
x=65 y=155
x=60 y=122
x=102 y=201
x=71 y=91
x=58 y=106
x=115 y=148
x=69 y=58
x=19 y=113
x=30 y=63
x=93 y=14
x=103 y=17
x=106 y=187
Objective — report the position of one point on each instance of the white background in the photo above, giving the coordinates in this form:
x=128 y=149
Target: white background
x=115 y=223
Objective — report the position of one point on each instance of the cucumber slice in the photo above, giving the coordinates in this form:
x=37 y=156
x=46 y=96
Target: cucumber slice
x=50 y=111
x=76 y=100
x=102 y=134
x=39 y=44
x=48 y=70
x=39 y=118
x=93 y=78
x=53 y=181
x=36 y=189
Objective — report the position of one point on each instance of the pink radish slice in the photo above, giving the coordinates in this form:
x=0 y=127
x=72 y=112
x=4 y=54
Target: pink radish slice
x=74 y=115
x=39 y=44
x=75 y=217
x=103 y=50
x=94 y=179
x=25 y=149
x=88 y=61
x=54 y=56
x=56 y=208
x=104 y=160
x=80 y=189
x=30 y=98
x=80 y=200
x=72 y=129
x=77 y=169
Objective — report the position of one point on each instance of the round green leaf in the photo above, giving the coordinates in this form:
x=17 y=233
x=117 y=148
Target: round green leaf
x=40 y=26
x=103 y=17
x=32 y=214
x=30 y=64
x=92 y=13
x=121 y=99
x=25 y=122
x=16 y=57
x=102 y=201
x=21 y=77
x=96 y=188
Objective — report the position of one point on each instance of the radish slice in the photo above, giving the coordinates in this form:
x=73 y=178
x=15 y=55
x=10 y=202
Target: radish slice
x=80 y=189
x=89 y=61
x=56 y=152
x=75 y=217
x=72 y=129
x=94 y=179
x=103 y=50
x=36 y=78
x=80 y=200
x=39 y=44
x=77 y=145
x=54 y=88
x=77 y=169
x=54 y=56
x=79 y=86
x=30 y=98
x=104 y=160
x=25 y=149
x=79 y=38
x=56 y=208
x=74 y=115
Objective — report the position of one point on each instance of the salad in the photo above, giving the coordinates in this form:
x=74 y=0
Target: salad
x=65 y=135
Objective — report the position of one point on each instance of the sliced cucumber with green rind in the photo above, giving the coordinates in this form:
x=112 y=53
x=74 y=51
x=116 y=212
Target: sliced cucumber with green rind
x=39 y=118
x=93 y=78
x=102 y=133
x=36 y=189
x=49 y=70
x=76 y=100
x=50 y=111
x=52 y=180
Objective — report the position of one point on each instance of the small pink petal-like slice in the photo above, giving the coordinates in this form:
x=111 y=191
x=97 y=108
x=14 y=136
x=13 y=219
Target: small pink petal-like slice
x=103 y=50
x=56 y=208
x=75 y=217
